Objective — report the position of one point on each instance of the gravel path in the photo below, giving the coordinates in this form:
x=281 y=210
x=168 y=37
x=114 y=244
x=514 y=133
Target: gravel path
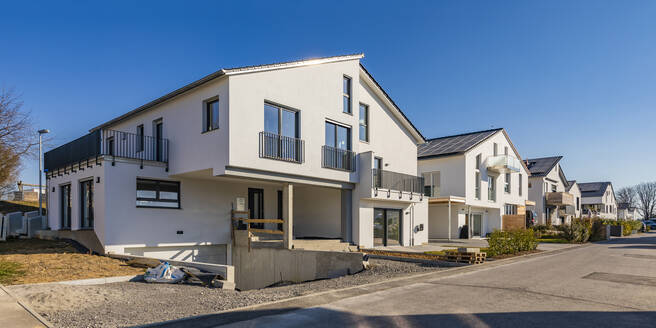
x=133 y=303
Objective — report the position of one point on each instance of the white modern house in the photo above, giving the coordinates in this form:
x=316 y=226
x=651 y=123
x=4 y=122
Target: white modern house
x=598 y=199
x=548 y=188
x=476 y=183
x=626 y=211
x=317 y=143
x=575 y=191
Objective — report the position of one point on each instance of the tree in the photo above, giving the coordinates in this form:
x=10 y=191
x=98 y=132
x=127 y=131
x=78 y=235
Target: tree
x=17 y=138
x=627 y=195
x=646 y=196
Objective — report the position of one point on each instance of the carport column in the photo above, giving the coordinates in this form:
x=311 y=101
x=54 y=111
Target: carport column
x=288 y=215
x=449 y=233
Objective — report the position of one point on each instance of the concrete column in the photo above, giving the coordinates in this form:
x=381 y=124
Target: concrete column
x=449 y=233
x=347 y=218
x=288 y=215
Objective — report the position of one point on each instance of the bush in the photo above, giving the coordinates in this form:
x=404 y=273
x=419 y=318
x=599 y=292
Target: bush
x=511 y=242
x=540 y=230
x=578 y=231
x=598 y=231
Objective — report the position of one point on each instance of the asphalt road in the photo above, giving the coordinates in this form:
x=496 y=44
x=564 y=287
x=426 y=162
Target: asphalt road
x=610 y=284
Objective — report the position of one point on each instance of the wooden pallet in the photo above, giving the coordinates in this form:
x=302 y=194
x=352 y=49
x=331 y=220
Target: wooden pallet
x=464 y=257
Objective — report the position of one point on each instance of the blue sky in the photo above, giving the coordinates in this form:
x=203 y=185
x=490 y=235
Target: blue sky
x=570 y=78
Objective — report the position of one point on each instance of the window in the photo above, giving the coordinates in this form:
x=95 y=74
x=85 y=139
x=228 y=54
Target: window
x=140 y=137
x=510 y=209
x=520 y=184
x=506 y=186
x=211 y=115
x=378 y=174
x=338 y=136
x=432 y=184
x=86 y=203
x=66 y=201
x=156 y=193
x=530 y=185
x=477 y=177
x=378 y=163
x=346 y=90
x=364 y=122
x=553 y=188
x=110 y=146
x=478 y=161
x=281 y=121
x=578 y=205
x=505 y=150
x=496 y=149
x=491 y=189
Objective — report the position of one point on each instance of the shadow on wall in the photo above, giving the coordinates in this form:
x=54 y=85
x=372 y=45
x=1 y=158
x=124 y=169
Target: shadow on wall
x=321 y=317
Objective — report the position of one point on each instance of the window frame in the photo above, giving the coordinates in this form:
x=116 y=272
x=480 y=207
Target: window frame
x=520 y=187
x=347 y=94
x=366 y=122
x=91 y=219
x=208 y=115
x=349 y=135
x=141 y=139
x=157 y=195
x=69 y=206
x=507 y=180
x=281 y=108
x=432 y=181
x=491 y=188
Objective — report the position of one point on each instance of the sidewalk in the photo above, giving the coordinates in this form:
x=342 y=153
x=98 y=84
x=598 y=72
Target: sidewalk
x=14 y=314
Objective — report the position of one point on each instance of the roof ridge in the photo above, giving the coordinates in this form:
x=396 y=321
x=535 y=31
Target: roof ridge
x=464 y=134
x=537 y=158
x=289 y=62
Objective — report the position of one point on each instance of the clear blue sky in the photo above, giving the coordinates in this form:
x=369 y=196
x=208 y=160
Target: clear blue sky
x=571 y=78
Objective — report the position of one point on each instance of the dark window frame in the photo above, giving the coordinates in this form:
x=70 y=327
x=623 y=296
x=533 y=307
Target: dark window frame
x=90 y=224
x=69 y=203
x=208 y=114
x=349 y=134
x=281 y=109
x=141 y=139
x=157 y=195
x=347 y=94
x=366 y=122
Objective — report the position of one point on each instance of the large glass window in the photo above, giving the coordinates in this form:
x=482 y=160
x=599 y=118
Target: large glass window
x=432 y=184
x=491 y=189
x=140 y=137
x=66 y=201
x=86 y=202
x=281 y=121
x=477 y=178
x=338 y=136
x=211 y=115
x=506 y=186
x=520 y=188
x=157 y=193
x=364 y=122
x=346 y=97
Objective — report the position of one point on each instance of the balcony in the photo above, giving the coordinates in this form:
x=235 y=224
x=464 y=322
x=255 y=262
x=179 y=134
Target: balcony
x=282 y=148
x=109 y=143
x=559 y=199
x=382 y=179
x=338 y=159
x=503 y=164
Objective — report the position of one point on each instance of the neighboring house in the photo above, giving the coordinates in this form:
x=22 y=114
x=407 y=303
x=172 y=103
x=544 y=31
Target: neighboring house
x=548 y=188
x=477 y=179
x=626 y=212
x=317 y=143
x=598 y=199
x=573 y=188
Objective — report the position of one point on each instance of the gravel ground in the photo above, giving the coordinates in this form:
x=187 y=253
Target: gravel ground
x=134 y=303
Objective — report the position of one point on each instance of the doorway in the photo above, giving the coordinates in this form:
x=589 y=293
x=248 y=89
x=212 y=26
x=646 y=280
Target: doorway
x=256 y=206
x=387 y=227
x=477 y=224
x=159 y=147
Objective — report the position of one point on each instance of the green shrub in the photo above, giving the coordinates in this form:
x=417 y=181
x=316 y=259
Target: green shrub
x=8 y=271
x=511 y=242
x=578 y=231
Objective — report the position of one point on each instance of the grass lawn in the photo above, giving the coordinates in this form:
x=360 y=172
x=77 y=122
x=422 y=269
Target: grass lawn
x=553 y=240
x=25 y=261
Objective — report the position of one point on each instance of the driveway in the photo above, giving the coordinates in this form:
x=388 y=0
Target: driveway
x=609 y=284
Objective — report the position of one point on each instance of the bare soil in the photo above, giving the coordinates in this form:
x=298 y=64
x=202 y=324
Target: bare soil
x=49 y=261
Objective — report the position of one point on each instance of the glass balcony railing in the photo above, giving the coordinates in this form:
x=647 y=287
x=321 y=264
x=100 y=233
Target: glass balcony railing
x=503 y=164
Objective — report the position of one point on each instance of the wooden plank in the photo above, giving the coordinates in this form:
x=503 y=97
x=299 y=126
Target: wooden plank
x=263 y=220
x=273 y=232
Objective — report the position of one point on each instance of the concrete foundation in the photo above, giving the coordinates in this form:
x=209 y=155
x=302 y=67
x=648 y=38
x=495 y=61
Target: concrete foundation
x=87 y=238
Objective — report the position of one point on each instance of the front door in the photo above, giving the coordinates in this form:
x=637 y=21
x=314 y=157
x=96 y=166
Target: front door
x=256 y=206
x=159 y=147
x=387 y=227
x=477 y=224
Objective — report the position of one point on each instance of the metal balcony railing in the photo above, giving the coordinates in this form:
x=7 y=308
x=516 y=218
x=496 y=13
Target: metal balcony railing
x=336 y=158
x=116 y=144
x=282 y=148
x=397 y=181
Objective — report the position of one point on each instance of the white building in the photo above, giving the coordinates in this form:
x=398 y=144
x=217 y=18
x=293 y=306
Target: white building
x=573 y=188
x=598 y=199
x=548 y=188
x=316 y=142
x=626 y=211
x=477 y=179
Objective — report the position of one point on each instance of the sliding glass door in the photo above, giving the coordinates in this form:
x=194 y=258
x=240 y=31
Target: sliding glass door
x=387 y=227
x=86 y=201
x=66 y=201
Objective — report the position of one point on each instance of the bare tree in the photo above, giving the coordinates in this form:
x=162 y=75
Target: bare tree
x=627 y=195
x=646 y=196
x=17 y=138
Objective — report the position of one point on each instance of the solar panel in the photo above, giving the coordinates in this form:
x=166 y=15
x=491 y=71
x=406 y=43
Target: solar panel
x=453 y=144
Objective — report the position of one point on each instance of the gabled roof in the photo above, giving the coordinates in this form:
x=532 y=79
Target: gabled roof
x=252 y=69
x=452 y=145
x=540 y=167
x=594 y=189
x=570 y=184
x=625 y=206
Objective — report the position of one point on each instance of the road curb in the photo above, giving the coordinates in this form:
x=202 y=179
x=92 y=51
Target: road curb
x=91 y=281
x=27 y=308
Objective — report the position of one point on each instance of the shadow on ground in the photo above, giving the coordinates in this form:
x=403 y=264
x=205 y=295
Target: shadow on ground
x=321 y=317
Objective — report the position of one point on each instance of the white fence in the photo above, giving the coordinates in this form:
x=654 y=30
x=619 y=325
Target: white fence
x=17 y=224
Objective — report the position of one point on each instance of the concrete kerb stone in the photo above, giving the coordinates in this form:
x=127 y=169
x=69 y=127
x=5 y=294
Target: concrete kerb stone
x=332 y=295
x=27 y=308
x=92 y=281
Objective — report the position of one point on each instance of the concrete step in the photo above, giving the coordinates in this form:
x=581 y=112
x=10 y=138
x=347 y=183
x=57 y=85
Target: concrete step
x=322 y=245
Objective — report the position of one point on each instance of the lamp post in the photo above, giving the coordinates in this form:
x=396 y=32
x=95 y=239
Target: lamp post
x=41 y=133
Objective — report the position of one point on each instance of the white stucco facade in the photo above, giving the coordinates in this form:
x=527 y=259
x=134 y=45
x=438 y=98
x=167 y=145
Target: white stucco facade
x=216 y=167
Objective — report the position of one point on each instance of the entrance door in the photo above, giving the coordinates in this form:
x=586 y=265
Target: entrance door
x=256 y=206
x=387 y=227
x=159 y=147
x=477 y=218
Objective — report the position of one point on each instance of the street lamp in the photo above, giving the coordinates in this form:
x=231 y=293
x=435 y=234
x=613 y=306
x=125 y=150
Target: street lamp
x=41 y=133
